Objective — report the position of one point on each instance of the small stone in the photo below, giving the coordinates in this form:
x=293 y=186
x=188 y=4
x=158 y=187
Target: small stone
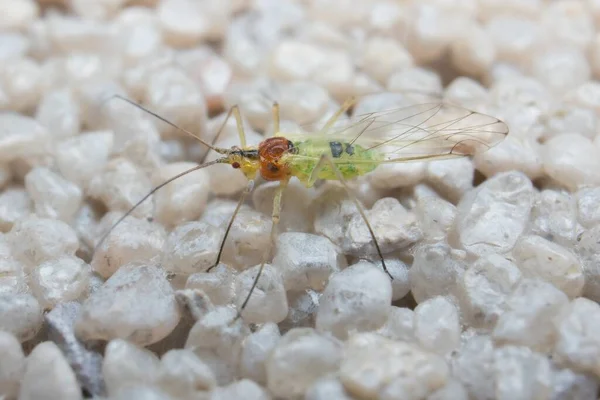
x=209 y=70
x=48 y=375
x=540 y=258
x=78 y=163
x=512 y=154
x=451 y=178
x=12 y=366
x=191 y=247
x=22 y=83
x=194 y=301
x=376 y=367
x=467 y=92
x=435 y=216
x=21 y=136
x=400 y=325
x=35 y=240
x=219 y=284
x=149 y=311
x=588 y=250
x=491 y=217
x=568 y=23
x=569 y=384
x=415 y=79
x=302 y=310
x=256 y=349
x=527 y=320
x=473 y=366
x=473 y=53
x=437 y=325
x=244 y=388
x=141 y=392
x=14 y=45
x=437 y=270
x=327 y=388
x=384 y=56
x=513 y=36
x=299 y=359
x=401 y=273
x=567 y=118
x=390 y=176
x=587 y=206
x=268 y=301
x=561 y=68
x=127 y=365
x=453 y=390
x=521 y=373
x=182 y=373
x=12 y=273
x=578 y=345
x=60 y=280
x=306 y=260
x=21 y=315
x=139 y=33
x=484 y=288
x=59 y=112
x=53 y=196
x=132 y=240
x=554 y=217
x=571 y=160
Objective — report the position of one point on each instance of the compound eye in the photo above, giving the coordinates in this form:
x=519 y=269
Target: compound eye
x=235 y=165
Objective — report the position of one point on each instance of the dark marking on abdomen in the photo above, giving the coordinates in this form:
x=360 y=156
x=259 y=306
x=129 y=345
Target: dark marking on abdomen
x=349 y=148
x=336 y=149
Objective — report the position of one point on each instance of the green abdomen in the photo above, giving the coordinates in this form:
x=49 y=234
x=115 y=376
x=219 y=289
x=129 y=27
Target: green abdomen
x=351 y=160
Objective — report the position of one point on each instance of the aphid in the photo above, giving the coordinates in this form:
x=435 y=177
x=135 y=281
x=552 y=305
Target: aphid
x=422 y=132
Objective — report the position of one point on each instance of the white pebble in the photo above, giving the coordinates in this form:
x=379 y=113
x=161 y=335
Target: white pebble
x=209 y=70
x=451 y=178
x=513 y=153
x=415 y=79
x=149 y=311
x=401 y=274
x=191 y=247
x=578 y=344
x=376 y=367
x=567 y=383
x=588 y=211
x=59 y=112
x=21 y=315
x=60 y=280
x=327 y=388
x=491 y=217
x=22 y=83
x=571 y=159
x=527 y=320
x=125 y=365
x=391 y=176
x=182 y=373
x=14 y=45
x=268 y=302
x=302 y=311
x=435 y=216
x=141 y=392
x=132 y=240
x=568 y=23
x=588 y=250
x=82 y=157
x=53 y=196
x=473 y=366
x=554 y=217
x=12 y=366
x=453 y=390
x=521 y=373
x=540 y=258
x=514 y=37
x=400 y=325
x=561 y=69
x=12 y=273
x=299 y=359
x=306 y=260
x=256 y=349
x=437 y=325
x=21 y=136
x=219 y=284
x=384 y=56
x=356 y=299
x=437 y=270
x=484 y=288
x=474 y=52
x=48 y=375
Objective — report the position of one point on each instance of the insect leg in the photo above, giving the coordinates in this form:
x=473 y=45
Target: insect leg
x=275 y=219
x=275 y=111
x=327 y=160
x=345 y=107
x=235 y=111
x=243 y=196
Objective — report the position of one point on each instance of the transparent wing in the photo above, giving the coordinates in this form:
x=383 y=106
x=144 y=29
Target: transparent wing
x=425 y=131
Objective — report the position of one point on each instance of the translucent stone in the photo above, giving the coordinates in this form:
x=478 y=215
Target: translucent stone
x=587 y=206
x=217 y=339
x=437 y=270
x=588 y=250
x=435 y=216
x=71 y=34
x=22 y=83
x=300 y=358
x=60 y=280
x=244 y=388
x=401 y=274
x=451 y=178
x=571 y=160
x=561 y=69
x=554 y=217
x=219 y=284
x=191 y=247
x=120 y=186
x=577 y=343
x=12 y=366
x=437 y=325
x=295 y=60
x=473 y=366
x=126 y=364
x=415 y=79
x=183 y=199
x=521 y=373
x=391 y=176
x=185 y=23
x=513 y=36
x=77 y=163
x=255 y=99
x=20 y=136
x=466 y=92
x=491 y=217
x=40 y=381
x=59 y=112
x=132 y=240
x=53 y=196
x=302 y=101
x=376 y=367
x=384 y=56
x=567 y=118
x=453 y=390
x=268 y=301
x=484 y=288
x=474 y=52
x=567 y=383
x=141 y=392
x=569 y=23
x=15 y=205
x=540 y=258
x=530 y=310
x=327 y=388
x=13 y=45
x=295 y=216
x=35 y=240
x=256 y=350
x=357 y=299
x=182 y=373
x=400 y=325
x=509 y=155
x=302 y=310
x=306 y=260
x=12 y=276
x=149 y=311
